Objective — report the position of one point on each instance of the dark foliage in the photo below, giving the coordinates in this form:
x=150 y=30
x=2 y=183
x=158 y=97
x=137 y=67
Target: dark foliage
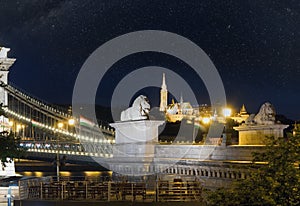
x=275 y=182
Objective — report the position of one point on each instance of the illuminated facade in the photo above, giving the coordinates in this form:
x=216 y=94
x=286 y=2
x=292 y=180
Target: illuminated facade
x=242 y=116
x=177 y=111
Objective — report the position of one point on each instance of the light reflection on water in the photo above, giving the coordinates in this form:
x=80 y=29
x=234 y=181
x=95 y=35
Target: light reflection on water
x=94 y=174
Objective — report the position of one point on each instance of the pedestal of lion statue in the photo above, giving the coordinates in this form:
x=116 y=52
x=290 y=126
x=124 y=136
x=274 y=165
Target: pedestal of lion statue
x=135 y=140
x=258 y=127
x=134 y=148
x=139 y=131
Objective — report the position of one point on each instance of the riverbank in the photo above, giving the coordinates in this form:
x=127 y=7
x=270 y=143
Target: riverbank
x=93 y=203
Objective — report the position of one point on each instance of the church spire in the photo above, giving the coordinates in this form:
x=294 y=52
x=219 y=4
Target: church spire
x=164 y=85
x=163 y=95
x=181 y=99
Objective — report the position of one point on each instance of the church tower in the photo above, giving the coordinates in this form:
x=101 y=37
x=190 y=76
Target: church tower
x=163 y=95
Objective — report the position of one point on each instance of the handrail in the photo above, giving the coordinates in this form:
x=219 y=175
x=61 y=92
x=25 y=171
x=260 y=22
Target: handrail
x=108 y=190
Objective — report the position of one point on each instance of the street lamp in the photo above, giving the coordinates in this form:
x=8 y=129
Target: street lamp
x=23 y=130
x=226 y=113
x=11 y=123
x=71 y=122
x=18 y=127
x=206 y=120
x=60 y=126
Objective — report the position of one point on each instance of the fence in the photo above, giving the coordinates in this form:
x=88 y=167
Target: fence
x=158 y=191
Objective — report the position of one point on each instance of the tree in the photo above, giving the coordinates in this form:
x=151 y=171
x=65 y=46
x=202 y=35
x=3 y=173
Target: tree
x=274 y=178
x=9 y=147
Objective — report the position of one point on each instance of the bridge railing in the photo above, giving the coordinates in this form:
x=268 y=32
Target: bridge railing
x=52 y=145
x=163 y=191
x=67 y=148
x=24 y=185
x=53 y=129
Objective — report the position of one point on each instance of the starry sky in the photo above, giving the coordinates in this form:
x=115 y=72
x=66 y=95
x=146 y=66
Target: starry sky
x=255 y=45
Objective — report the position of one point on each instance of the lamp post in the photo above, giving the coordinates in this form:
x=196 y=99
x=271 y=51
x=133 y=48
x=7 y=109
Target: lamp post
x=71 y=122
x=226 y=113
x=19 y=127
x=23 y=131
x=11 y=124
x=206 y=120
x=60 y=126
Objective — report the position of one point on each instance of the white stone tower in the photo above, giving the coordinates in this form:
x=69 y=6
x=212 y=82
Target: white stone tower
x=163 y=95
x=5 y=64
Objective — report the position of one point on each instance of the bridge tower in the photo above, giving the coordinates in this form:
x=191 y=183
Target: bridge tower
x=163 y=95
x=5 y=64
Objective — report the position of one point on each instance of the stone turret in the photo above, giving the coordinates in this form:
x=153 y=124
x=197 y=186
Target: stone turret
x=242 y=116
x=243 y=110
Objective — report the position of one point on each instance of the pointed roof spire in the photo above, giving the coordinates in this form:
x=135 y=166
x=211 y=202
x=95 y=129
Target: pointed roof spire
x=164 y=85
x=215 y=113
x=181 y=99
x=243 y=110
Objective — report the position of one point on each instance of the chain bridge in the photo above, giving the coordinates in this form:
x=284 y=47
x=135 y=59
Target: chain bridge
x=45 y=128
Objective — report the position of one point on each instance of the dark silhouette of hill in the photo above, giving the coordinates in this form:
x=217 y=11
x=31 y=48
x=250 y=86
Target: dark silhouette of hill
x=284 y=120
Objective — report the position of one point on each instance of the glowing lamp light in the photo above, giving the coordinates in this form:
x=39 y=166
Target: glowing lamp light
x=227 y=112
x=60 y=125
x=71 y=122
x=19 y=127
x=206 y=120
x=11 y=123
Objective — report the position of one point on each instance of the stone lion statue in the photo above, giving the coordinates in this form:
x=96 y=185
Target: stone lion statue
x=266 y=115
x=140 y=110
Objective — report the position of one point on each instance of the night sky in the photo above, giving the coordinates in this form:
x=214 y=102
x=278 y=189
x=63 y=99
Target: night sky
x=255 y=45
